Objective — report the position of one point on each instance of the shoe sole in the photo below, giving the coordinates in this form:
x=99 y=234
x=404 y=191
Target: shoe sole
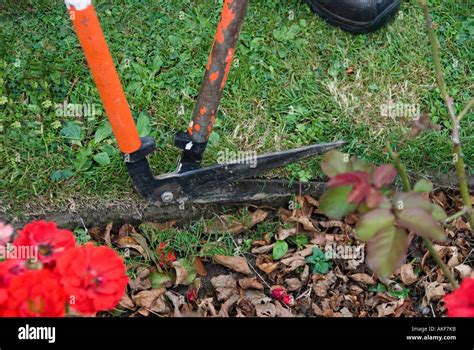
x=353 y=26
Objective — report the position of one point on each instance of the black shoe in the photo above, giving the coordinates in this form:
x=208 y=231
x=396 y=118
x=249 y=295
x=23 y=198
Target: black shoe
x=356 y=16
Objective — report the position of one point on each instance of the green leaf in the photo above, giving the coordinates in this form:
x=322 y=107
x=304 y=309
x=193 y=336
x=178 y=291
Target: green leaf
x=421 y=222
x=438 y=213
x=102 y=158
x=279 y=249
x=378 y=288
x=157 y=63
x=387 y=250
x=413 y=200
x=103 y=132
x=400 y=294
x=143 y=124
x=159 y=279
x=335 y=204
x=72 y=131
x=423 y=185
x=83 y=159
x=356 y=164
x=334 y=164
x=59 y=175
x=318 y=261
x=373 y=222
x=299 y=240
x=192 y=273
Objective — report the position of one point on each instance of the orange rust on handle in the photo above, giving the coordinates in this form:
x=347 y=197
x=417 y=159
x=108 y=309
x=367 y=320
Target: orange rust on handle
x=106 y=78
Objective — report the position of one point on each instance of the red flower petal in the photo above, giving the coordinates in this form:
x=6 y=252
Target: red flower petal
x=460 y=303
x=93 y=277
x=36 y=293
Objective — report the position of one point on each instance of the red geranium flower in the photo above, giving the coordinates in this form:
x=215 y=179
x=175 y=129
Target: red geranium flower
x=36 y=293
x=460 y=303
x=10 y=269
x=93 y=277
x=50 y=240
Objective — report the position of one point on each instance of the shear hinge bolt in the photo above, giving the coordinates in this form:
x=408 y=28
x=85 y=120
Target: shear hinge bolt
x=167 y=197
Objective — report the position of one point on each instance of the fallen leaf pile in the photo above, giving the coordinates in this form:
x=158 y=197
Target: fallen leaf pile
x=296 y=268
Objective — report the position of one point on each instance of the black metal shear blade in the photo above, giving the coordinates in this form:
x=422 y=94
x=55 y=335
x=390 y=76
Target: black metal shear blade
x=210 y=184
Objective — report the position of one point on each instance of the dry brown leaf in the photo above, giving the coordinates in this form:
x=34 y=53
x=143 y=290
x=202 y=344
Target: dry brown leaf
x=282 y=311
x=407 y=274
x=292 y=284
x=363 y=278
x=266 y=264
x=225 y=223
x=336 y=223
x=126 y=302
x=162 y=226
x=306 y=223
x=355 y=289
x=293 y=262
x=390 y=308
x=304 y=277
x=107 y=238
x=152 y=300
x=433 y=291
x=322 y=284
x=345 y=312
x=257 y=217
x=311 y=201
x=144 y=312
x=235 y=263
x=464 y=270
x=250 y=283
x=177 y=301
x=225 y=286
x=263 y=250
x=455 y=258
x=127 y=242
x=181 y=272
x=256 y=296
x=317 y=310
x=245 y=308
x=265 y=310
x=125 y=230
x=199 y=266
x=282 y=233
x=224 y=311
x=141 y=282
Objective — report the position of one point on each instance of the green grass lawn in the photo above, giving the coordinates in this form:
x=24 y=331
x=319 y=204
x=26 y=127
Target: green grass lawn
x=295 y=81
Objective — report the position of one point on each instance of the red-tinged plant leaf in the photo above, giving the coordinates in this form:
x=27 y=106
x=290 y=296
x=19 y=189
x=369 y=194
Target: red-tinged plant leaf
x=333 y=163
x=387 y=250
x=352 y=178
x=335 y=203
x=383 y=175
x=374 y=198
x=423 y=185
x=359 y=192
x=421 y=222
x=373 y=222
x=412 y=200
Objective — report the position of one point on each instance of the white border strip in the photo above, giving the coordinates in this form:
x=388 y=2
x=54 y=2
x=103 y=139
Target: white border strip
x=79 y=5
